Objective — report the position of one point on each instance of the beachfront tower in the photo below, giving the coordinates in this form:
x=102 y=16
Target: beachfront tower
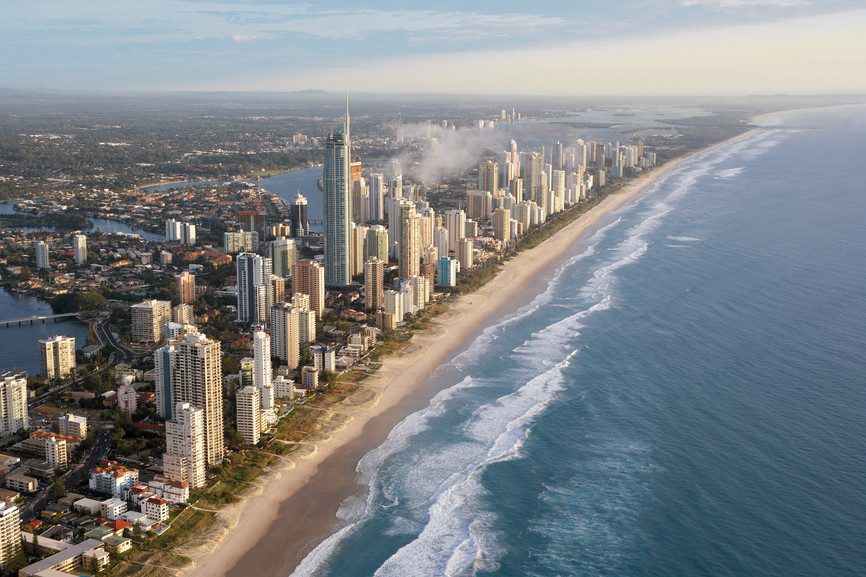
x=337 y=206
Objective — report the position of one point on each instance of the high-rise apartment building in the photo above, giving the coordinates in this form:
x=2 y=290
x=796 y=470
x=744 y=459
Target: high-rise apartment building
x=488 y=177
x=533 y=177
x=13 y=403
x=248 y=414
x=173 y=230
x=10 y=534
x=185 y=285
x=479 y=204
x=359 y=240
x=502 y=224
x=183 y=315
x=374 y=279
x=263 y=374
x=254 y=288
x=198 y=380
x=58 y=356
x=455 y=222
x=308 y=277
x=240 y=241
x=446 y=271
x=164 y=360
x=42 y=260
x=464 y=251
x=377 y=243
x=378 y=184
x=187 y=235
x=79 y=249
x=185 y=458
x=283 y=253
x=285 y=334
x=148 y=320
x=409 y=260
x=337 y=207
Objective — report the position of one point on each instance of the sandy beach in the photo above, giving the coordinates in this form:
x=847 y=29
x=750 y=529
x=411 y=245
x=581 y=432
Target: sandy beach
x=293 y=508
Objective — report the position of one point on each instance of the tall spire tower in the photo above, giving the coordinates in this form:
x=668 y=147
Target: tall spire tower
x=337 y=180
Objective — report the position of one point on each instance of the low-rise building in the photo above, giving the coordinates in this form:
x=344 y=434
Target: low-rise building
x=112 y=478
x=18 y=481
x=169 y=489
x=87 y=555
x=72 y=425
x=113 y=508
x=156 y=509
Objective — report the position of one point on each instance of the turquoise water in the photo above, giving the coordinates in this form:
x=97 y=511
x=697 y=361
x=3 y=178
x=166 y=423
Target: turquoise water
x=684 y=398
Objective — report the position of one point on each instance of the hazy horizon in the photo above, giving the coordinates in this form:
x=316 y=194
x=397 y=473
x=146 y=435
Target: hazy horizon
x=648 y=48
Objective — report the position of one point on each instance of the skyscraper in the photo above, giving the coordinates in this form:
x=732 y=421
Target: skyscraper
x=337 y=206
x=13 y=404
x=185 y=284
x=254 y=277
x=79 y=249
x=377 y=197
x=198 y=380
x=533 y=175
x=164 y=361
x=309 y=278
x=410 y=246
x=298 y=216
x=58 y=356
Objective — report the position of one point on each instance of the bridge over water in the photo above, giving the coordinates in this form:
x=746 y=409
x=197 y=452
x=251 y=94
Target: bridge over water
x=35 y=320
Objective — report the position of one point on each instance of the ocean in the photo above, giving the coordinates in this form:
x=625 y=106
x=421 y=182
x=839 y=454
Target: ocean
x=684 y=395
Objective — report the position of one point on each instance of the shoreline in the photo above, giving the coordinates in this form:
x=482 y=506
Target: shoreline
x=260 y=535
x=196 y=182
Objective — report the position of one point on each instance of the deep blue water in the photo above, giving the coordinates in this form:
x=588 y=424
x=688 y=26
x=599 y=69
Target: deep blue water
x=685 y=398
x=19 y=346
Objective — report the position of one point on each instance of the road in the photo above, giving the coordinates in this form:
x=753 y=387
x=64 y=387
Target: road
x=121 y=354
x=72 y=478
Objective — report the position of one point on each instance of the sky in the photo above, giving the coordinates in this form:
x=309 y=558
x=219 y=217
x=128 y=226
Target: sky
x=555 y=47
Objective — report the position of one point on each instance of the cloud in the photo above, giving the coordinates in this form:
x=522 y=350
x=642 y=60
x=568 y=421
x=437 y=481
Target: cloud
x=731 y=4
x=810 y=54
x=244 y=37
